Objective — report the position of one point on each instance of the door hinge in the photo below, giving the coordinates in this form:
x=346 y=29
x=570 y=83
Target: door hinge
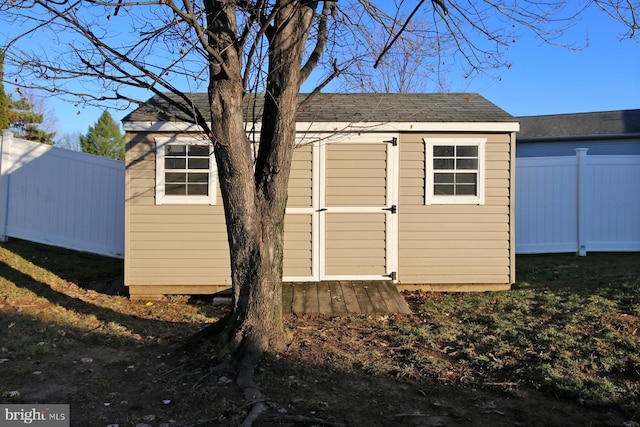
x=393 y=141
x=393 y=275
x=393 y=209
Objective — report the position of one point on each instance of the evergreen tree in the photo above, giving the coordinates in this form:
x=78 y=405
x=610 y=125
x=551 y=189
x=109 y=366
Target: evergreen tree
x=104 y=138
x=25 y=121
x=4 y=100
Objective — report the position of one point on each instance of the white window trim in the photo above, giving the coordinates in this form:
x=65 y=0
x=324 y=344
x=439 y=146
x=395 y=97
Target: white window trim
x=434 y=199
x=163 y=199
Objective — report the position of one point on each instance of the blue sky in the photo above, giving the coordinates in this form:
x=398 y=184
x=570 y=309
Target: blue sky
x=543 y=79
x=554 y=80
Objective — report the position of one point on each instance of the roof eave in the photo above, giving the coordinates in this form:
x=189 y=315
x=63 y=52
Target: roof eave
x=163 y=126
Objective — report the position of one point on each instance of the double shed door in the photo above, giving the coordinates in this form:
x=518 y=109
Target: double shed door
x=342 y=212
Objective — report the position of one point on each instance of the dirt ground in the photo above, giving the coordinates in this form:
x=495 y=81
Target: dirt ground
x=129 y=384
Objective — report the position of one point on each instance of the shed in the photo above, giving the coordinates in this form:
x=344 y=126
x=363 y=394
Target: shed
x=417 y=189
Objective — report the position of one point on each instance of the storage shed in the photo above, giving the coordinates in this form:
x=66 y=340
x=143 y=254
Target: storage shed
x=417 y=189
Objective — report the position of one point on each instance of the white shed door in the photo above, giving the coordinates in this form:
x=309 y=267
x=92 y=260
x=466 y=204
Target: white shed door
x=358 y=209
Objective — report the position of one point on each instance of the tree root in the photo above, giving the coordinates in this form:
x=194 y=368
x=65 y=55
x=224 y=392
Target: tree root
x=208 y=333
x=196 y=423
x=305 y=420
x=256 y=410
x=242 y=362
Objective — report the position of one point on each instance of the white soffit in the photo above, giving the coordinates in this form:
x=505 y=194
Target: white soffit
x=307 y=127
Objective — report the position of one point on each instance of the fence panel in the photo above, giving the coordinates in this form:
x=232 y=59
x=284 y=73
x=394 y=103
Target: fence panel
x=546 y=204
x=614 y=200
x=61 y=197
x=577 y=204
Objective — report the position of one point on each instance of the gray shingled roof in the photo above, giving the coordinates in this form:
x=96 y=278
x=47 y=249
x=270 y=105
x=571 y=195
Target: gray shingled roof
x=619 y=122
x=357 y=107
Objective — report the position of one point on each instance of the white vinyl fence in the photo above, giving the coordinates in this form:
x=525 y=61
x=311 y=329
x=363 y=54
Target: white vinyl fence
x=577 y=204
x=61 y=197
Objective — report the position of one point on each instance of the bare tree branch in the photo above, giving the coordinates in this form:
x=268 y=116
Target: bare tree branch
x=321 y=42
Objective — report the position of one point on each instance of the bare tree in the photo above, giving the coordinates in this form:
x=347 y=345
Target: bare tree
x=234 y=49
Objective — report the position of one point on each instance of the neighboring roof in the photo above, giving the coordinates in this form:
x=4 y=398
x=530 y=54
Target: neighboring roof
x=356 y=108
x=605 y=123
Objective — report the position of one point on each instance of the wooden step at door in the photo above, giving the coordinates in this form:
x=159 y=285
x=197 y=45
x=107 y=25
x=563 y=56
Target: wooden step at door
x=343 y=298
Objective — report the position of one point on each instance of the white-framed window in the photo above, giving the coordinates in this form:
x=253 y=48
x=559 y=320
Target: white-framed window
x=454 y=171
x=185 y=171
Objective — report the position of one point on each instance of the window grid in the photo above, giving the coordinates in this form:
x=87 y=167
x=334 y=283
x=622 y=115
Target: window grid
x=454 y=171
x=457 y=170
x=186 y=170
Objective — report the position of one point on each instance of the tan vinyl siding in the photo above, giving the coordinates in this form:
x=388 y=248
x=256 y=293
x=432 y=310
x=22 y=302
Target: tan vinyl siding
x=356 y=175
x=355 y=244
x=169 y=245
x=298 y=229
x=455 y=244
x=298 y=250
x=301 y=178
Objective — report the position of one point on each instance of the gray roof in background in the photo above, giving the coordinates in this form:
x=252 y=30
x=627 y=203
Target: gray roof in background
x=356 y=107
x=605 y=123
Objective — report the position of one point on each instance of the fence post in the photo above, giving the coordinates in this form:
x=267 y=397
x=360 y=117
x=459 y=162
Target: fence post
x=5 y=146
x=583 y=206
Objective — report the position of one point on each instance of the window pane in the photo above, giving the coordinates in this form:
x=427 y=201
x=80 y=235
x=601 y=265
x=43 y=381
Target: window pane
x=443 y=163
x=443 y=189
x=466 y=178
x=173 y=177
x=466 y=151
x=466 y=189
x=198 y=177
x=199 y=150
x=467 y=164
x=443 y=178
x=171 y=163
x=443 y=150
x=199 y=163
x=175 y=189
x=198 y=189
x=175 y=150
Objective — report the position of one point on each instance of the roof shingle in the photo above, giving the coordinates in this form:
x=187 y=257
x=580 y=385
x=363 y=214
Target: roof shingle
x=354 y=108
x=580 y=124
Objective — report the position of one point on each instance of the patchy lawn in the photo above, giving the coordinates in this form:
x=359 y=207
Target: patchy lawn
x=561 y=348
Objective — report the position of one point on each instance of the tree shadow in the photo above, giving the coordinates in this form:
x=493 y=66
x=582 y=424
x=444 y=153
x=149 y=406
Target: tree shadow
x=89 y=271
x=135 y=321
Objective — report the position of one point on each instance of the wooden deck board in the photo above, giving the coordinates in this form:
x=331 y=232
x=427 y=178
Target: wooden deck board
x=310 y=298
x=366 y=306
x=350 y=298
x=377 y=300
x=342 y=297
x=338 y=305
x=287 y=297
x=324 y=298
x=297 y=299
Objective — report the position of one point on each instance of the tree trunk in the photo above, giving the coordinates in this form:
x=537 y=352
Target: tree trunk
x=255 y=196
